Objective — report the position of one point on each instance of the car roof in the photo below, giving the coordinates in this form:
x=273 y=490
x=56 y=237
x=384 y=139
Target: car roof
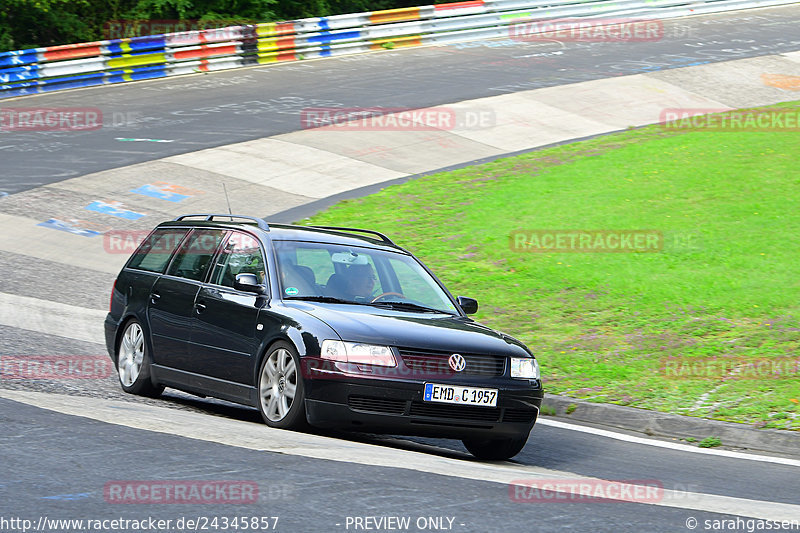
x=290 y=232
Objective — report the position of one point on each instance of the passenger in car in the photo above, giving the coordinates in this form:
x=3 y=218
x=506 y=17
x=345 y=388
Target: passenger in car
x=300 y=278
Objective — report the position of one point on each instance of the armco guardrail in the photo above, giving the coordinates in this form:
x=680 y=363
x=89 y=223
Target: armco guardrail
x=39 y=70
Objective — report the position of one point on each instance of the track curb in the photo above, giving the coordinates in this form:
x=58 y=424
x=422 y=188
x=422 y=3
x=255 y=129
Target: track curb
x=657 y=424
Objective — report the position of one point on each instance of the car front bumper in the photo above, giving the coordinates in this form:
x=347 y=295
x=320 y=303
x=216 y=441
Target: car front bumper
x=347 y=401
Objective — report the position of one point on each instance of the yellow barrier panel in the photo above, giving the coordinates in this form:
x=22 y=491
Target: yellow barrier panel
x=133 y=61
x=272 y=45
x=276 y=57
x=274 y=29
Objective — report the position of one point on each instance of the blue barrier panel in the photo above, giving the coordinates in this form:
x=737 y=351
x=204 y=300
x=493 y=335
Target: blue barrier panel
x=18 y=57
x=20 y=85
x=329 y=37
x=137 y=73
x=23 y=91
x=137 y=44
x=27 y=72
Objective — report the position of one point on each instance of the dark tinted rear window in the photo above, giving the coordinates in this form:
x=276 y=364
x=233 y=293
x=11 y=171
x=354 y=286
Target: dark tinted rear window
x=192 y=260
x=155 y=251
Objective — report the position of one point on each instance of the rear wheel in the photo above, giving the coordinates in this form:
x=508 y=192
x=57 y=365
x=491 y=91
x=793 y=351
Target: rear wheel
x=133 y=363
x=495 y=449
x=280 y=389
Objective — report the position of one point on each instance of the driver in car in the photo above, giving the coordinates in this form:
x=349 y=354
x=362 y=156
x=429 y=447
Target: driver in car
x=359 y=281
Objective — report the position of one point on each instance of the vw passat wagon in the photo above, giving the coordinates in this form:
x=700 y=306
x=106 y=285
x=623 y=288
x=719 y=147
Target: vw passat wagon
x=333 y=327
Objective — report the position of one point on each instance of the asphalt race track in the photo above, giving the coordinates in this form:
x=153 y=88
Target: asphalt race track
x=225 y=107
x=65 y=443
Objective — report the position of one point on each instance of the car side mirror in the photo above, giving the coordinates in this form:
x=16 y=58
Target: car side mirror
x=468 y=305
x=248 y=283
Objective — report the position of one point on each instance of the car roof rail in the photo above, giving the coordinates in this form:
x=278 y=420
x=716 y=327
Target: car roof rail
x=382 y=237
x=209 y=217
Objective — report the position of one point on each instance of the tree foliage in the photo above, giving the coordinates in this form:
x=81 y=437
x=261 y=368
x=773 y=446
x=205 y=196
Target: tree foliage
x=33 y=23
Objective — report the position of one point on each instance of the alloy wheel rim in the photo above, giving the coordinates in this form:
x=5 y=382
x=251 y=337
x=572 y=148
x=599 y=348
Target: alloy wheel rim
x=131 y=355
x=278 y=385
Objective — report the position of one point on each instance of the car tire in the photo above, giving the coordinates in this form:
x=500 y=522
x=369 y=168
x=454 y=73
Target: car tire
x=133 y=362
x=281 y=393
x=495 y=449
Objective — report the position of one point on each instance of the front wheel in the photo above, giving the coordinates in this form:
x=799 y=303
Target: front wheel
x=133 y=363
x=495 y=449
x=280 y=389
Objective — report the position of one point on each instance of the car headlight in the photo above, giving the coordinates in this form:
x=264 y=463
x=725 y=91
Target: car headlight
x=527 y=368
x=357 y=352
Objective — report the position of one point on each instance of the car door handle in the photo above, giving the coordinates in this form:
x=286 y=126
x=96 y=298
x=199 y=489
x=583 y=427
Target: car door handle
x=199 y=307
x=155 y=297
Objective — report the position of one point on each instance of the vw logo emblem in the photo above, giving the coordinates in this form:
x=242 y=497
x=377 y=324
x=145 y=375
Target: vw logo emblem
x=457 y=362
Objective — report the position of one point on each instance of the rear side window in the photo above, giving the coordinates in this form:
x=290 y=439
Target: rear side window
x=194 y=256
x=155 y=251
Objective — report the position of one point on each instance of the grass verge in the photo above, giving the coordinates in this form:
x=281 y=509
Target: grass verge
x=723 y=290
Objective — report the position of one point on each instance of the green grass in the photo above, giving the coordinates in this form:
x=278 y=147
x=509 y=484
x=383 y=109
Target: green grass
x=726 y=285
x=710 y=442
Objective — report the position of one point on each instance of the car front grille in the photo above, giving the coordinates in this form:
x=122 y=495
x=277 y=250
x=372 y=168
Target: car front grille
x=435 y=363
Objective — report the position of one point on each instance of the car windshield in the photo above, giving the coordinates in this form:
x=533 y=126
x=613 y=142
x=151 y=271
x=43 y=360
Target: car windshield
x=354 y=274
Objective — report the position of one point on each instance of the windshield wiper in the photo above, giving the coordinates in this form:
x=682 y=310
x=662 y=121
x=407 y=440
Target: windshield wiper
x=325 y=299
x=410 y=306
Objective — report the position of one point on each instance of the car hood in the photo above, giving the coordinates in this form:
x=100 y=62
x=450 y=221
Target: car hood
x=374 y=325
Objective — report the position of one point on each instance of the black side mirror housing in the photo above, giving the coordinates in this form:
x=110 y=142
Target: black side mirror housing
x=468 y=305
x=249 y=283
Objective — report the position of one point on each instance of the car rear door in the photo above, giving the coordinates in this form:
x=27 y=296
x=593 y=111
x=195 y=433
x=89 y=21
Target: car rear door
x=171 y=307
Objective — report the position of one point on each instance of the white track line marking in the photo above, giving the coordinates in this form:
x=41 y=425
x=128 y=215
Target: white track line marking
x=52 y=318
x=256 y=436
x=668 y=445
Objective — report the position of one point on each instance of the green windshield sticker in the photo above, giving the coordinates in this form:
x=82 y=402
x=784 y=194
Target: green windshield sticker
x=291 y=291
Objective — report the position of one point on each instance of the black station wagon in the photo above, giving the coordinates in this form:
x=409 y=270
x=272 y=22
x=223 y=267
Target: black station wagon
x=333 y=327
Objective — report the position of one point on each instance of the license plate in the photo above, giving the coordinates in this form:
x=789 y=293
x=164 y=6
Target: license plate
x=460 y=395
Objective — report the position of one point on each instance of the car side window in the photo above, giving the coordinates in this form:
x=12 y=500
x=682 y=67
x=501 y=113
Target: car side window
x=192 y=260
x=240 y=255
x=155 y=251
